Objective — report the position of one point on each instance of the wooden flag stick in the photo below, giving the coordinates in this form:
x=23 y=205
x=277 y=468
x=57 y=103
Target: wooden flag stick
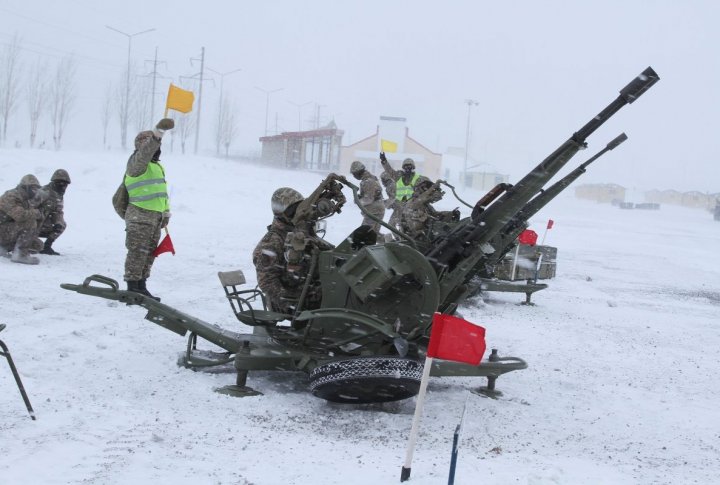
x=405 y=474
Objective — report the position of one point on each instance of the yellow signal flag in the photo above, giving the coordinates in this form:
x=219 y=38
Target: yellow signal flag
x=388 y=146
x=179 y=100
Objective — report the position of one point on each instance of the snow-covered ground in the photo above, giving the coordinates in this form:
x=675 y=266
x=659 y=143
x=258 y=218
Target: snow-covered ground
x=623 y=351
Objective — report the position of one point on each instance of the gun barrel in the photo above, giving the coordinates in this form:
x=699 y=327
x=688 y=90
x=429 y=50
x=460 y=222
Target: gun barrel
x=463 y=243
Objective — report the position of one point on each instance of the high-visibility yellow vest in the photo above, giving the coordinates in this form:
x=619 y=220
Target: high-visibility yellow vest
x=149 y=190
x=404 y=192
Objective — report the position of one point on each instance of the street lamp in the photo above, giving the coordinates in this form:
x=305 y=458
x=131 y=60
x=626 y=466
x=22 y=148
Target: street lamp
x=127 y=81
x=299 y=107
x=220 y=105
x=470 y=103
x=267 y=102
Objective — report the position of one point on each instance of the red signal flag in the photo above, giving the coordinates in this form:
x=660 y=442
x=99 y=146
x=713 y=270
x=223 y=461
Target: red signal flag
x=453 y=338
x=550 y=223
x=165 y=246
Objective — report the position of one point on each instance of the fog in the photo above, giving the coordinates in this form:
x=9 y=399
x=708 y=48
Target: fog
x=538 y=70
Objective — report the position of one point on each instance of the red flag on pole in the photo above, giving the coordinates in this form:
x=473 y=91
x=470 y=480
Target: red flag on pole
x=528 y=237
x=453 y=338
x=165 y=246
x=550 y=223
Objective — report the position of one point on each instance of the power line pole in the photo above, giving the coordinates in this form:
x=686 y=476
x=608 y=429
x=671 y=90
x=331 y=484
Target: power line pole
x=299 y=107
x=317 y=116
x=470 y=103
x=197 y=119
x=123 y=128
x=155 y=75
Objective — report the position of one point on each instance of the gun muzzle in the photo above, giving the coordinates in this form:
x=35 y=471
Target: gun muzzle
x=618 y=140
x=639 y=85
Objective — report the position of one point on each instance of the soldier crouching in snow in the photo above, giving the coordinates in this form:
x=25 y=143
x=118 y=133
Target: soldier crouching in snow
x=284 y=257
x=52 y=208
x=19 y=220
x=148 y=209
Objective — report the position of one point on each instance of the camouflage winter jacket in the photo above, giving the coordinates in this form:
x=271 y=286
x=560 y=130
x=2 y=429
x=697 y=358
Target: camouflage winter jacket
x=14 y=206
x=52 y=206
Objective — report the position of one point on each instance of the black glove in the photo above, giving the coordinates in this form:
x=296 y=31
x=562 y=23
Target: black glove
x=57 y=227
x=382 y=157
x=456 y=214
x=165 y=124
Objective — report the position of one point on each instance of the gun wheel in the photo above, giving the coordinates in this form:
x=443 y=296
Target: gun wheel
x=366 y=379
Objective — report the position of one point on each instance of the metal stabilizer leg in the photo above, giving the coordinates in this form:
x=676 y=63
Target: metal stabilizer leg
x=240 y=388
x=6 y=353
x=489 y=390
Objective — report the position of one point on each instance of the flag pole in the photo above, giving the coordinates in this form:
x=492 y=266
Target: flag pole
x=514 y=266
x=405 y=474
x=547 y=226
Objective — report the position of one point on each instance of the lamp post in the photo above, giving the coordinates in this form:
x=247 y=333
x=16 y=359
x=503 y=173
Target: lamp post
x=299 y=106
x=470 y=103
x=267 y=102
x=127 y=81
x=220 y=103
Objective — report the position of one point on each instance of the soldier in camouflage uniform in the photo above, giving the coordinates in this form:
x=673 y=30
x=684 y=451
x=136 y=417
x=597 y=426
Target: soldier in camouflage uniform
x=370 y=195
x=52 y=208
x=148 y=209
x=19 y=220
x=284 y=257
x=418 y=213
x=404 y=180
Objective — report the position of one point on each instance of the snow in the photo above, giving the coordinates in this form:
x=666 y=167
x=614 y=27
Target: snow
x=623 y=351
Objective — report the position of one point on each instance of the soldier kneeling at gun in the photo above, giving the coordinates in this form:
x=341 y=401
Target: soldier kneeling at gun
x=418 y=213
x=285 y=257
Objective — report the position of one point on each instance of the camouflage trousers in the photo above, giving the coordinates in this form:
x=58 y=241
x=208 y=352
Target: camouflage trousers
x=51 y=233
x=377 y=209
x=142 y=234
x=20 y=235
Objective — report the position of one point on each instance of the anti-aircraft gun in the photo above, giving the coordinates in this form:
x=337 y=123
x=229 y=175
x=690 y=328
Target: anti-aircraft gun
x=367 y=339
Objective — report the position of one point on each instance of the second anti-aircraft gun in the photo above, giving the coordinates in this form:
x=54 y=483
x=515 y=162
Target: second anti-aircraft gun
x=366 y=339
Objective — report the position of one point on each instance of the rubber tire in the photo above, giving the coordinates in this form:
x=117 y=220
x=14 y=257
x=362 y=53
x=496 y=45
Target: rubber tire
x=362 y=380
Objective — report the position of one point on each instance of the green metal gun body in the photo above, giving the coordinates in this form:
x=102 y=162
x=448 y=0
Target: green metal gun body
x=457 y=253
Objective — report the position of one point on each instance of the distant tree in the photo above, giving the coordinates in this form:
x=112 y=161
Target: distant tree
x=140 y=104
x=185 y=126
x=106 y=112
x=9 y=82
x=227 y=125
x=62 y=97
x=124 y=96
x=35 y=94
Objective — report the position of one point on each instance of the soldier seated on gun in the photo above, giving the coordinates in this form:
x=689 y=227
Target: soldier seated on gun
x=419 y=214
x=284 y=257
x=53 y=223
x=19 y=220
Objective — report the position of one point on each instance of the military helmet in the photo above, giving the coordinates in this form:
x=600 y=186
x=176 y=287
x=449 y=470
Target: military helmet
x=283 y=198
x=29 y=180
x=423 y=183
x=60 y=175
x=408 y=161
x=356 y=167
x=141 y=138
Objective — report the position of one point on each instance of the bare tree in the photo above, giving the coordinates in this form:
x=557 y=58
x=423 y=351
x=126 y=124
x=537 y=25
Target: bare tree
x=186 y=124
x=9 y=82
x=140 y=104
x=227 y=125
x=105 y=112
x=62 y=97
x=35 y=95
x=124 y=95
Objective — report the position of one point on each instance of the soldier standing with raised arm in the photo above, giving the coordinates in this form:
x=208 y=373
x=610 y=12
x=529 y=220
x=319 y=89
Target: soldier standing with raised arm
x=404 y=179
x=148 y=209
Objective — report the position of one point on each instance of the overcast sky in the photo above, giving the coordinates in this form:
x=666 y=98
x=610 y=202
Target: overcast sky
x=538 y=69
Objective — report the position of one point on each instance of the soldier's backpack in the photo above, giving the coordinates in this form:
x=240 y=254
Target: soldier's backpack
x=120 y=200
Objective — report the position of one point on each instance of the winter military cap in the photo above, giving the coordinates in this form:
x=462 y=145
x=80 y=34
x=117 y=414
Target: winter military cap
x=357 y=167
x=60 y=175
x=283 y=198
x=408 y=161
x=142 y=137
x=29 y=180
x=423 y=183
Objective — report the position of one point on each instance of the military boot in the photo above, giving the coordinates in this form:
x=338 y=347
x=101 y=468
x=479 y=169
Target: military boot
x=47 y=248
x=143 y=289
x=22 y=256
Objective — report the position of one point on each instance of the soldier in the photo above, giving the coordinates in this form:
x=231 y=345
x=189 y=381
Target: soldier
x=148 y=208
x=405 y=180
x=418 y=213
x=370 y=195
x=53 y=224
x=19 y=220
x=284 y=257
